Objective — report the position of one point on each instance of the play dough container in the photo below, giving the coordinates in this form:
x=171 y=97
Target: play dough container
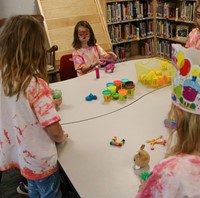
x=130 y=87
x=109 y=84
x=107 y=95
x=118 y=84
x=115 y=96
x=122 y=94
x=112 y=89
x=124 y=80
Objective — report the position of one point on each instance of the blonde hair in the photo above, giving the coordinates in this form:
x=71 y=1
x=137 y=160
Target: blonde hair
x=22 y=54
x=186 y=138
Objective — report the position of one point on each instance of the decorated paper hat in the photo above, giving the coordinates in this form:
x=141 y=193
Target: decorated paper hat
x=186 y=79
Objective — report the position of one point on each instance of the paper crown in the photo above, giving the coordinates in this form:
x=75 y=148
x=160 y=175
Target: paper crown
x=186 y=79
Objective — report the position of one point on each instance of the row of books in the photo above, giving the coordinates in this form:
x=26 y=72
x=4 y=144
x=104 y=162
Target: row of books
x=129 y=31
x=123 y=51
x=121 y=11
x=188 y=11
x=163 y=48
x=166 y=9
x=185 y=11
x=147 y=47
x=167 y=29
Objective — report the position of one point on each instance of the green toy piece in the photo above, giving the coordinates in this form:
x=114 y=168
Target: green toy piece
x=57 y=94
x=145 y=175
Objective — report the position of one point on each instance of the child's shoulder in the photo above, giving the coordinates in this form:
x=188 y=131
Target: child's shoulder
x=195 y=31
x=37 y=85
x=180 y=161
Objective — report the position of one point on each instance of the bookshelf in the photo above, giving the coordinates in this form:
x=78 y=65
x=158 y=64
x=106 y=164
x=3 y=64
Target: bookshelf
x=131 y=25
x=146 y=28
x=174 y=21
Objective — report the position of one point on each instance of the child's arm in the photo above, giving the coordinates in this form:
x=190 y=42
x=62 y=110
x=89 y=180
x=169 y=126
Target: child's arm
x=56 y=132
x=112 y=56
x=87 y=68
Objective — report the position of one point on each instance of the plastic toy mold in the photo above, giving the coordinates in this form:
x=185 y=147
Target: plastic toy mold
x=90 y=97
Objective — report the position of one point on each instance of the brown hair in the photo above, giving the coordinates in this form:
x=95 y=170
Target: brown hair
x=76 y=42
x=186 y=138
x=22 y=54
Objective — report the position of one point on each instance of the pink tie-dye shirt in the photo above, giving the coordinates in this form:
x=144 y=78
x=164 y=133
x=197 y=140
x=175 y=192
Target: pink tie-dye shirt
x=174 y=177
x=87 y=56
x=23 y=141
x=193 y=39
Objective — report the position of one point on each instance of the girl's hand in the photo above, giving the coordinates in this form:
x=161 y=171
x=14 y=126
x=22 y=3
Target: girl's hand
x=65 y=137
x=142 y=185
x=58 y=101
x=112 y=55
x=102 y=62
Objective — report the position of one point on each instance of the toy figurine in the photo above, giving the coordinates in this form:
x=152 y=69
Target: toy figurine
x=142 y=158
x=156 y=141
x=109 y=67
x=109 y=64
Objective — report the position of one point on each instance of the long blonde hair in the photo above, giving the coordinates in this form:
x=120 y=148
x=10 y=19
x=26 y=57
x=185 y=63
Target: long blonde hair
x=186 y=138
x=22 y=54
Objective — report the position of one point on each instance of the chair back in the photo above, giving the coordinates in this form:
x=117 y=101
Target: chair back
x=67 y=70
x=51 y=56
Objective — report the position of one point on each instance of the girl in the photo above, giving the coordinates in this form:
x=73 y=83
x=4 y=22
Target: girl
x=29 y=123
x=178 y=175
x=193 y=39
x=87 y=53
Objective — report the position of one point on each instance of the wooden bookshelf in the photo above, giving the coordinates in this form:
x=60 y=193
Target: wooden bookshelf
x=131 y=27
x=165 y=18
x=174 y=21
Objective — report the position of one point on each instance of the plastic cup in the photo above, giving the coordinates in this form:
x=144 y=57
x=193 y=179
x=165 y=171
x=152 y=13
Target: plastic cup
x=122 y=94
x=112 y=89
x=107 y=95
x=130 y=87
x=118 y=84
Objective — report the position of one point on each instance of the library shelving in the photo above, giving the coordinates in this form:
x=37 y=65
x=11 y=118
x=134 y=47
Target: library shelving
x=131 y=28
x=174 y=21
x=145 y=28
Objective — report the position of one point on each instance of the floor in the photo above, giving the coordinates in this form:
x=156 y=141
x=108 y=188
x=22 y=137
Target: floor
x=11 y=178
x=10 y=181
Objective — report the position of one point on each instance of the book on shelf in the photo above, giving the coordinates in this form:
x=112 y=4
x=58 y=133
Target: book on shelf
x=147 y=47
x=163 y=48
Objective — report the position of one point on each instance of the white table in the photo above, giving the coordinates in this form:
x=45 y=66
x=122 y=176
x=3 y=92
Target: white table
x=97 y=169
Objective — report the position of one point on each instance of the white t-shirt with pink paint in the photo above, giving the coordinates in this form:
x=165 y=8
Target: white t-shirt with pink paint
x=23 y=141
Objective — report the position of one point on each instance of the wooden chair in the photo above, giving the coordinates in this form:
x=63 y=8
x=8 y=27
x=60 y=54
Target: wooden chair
x=67 y=70
x=52 y=70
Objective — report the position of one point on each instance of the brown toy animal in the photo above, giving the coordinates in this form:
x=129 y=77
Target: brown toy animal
x=142 y=158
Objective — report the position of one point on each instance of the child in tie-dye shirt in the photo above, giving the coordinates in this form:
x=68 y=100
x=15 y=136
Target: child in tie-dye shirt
x=178 y=175
x=29 y=122
x=193 y=39
x=87 y=53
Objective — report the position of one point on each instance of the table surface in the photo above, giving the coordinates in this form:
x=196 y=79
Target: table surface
x=95 y=168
